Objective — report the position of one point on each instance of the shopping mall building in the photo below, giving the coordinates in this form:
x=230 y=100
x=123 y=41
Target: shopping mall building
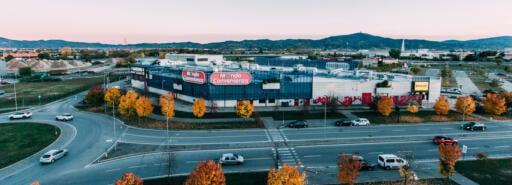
x=277 y=82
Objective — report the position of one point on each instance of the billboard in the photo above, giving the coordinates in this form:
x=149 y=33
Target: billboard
x=420 y=86
x=197 y=77
x=230 y=78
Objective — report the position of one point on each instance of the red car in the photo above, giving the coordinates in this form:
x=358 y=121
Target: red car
x=444 y=140
x=5 y=82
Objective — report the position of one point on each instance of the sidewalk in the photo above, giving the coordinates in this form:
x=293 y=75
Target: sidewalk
x=199 y=120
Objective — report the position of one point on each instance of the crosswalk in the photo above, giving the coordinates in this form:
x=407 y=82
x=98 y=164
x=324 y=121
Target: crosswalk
x=282 y=152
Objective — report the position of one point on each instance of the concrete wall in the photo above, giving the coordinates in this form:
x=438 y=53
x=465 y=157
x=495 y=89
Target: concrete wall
x=3 y=68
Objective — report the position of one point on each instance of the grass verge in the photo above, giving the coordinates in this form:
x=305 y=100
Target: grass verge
x=490 y=171
x=252 y=178
x=27 y=92
x=437 y=181
x=419 y=117
x=20 y=140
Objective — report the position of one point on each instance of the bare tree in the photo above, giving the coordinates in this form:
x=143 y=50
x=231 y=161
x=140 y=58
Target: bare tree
x=212 y=106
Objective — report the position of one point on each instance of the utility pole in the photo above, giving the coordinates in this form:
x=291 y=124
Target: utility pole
x=325 y=113
x=114 y=124
x=15 y=97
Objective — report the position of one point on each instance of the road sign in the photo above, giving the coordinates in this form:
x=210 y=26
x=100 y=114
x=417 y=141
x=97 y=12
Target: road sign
x=464 y=149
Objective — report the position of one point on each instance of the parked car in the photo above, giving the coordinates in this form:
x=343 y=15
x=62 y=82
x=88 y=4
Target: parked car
x=230 y=158
x=5 y=82
x=344 y=122
x=298 y=124
x=443 y=140
x=361 y=122
x=20 y=115
x=473 y=126
x=53 y=155
x=364 y=164
x=2 y=92
x=391 y=161
x=64 y=117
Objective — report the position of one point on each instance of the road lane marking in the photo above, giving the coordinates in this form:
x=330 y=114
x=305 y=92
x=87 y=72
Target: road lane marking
x=262 y=158
x=447 y=128
x=375 y=152
x=504 y=146
x=191 y=162
x=139 y=166
x=398 y=130
x=311 y=156
x=117 y=169
x=432 y=150
x=423 y=129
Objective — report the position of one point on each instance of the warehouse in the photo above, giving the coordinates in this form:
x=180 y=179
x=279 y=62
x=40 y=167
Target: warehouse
x=224 y=83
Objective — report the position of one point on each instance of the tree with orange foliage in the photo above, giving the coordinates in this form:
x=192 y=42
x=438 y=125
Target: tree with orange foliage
x=384 y=105
x=348 y=168
x=129 y=179
x=494 y=104
x=449 y=154
x=167 y=105
x=441 y=106
x=465 y=104
x=112 y=96
x=65 y=52
x=35 y=183
x=412 y=108
x=288 y=175
x=508 y=97
x=127 y=104
x=207 y=173
x=244 y=109
x=143 y=106
x=199 y=108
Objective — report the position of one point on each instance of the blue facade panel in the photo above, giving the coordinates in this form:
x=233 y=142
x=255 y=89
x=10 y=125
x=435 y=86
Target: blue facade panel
x=320 y=64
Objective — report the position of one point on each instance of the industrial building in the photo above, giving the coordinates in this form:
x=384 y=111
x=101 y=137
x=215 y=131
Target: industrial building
x=271 y=82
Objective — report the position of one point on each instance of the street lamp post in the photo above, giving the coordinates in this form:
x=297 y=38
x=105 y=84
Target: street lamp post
x=325 y=113
x=163 y=84
x=15 y=97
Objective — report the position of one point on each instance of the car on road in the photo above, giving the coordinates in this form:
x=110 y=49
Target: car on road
x=298 y=124
x=361 y=122
x=20 y=115
x=5 y=82
x=231 y=158
x=391 y=161
x=64 y=117
x=53 y=155
x=365 y=165
x=473 y=126
x=444 y=140
x=344 y=122
x=2 y=92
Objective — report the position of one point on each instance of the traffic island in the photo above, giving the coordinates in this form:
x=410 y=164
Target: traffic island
x=419 y=117
x=21 y=140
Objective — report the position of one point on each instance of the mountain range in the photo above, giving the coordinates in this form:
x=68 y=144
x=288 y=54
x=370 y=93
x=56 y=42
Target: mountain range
x=351 y=41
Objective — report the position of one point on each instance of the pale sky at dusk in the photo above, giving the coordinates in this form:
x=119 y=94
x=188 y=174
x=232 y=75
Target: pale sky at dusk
x=111 y=21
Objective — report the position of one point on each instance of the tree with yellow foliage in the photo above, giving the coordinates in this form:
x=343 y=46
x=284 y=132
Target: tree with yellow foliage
x=143 y=106
x=441 y=106
x=413 y=108
x=288 y=175
x=65 y=52
x=449 y=154
x=129 y=179
x=465 y=104
x=384 y=105
x=207 y=173
x=244 y=109
x=112 y=96
x=407 y=174
x=167 y=105
x=494 y=104
x=127 y=104
x=199 y=108
x=348 y=168
x=35 y=183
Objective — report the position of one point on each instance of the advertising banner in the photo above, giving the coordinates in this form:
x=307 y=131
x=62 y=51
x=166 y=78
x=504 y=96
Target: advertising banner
x=197 y=77
x=230 y=78
x=420 y=86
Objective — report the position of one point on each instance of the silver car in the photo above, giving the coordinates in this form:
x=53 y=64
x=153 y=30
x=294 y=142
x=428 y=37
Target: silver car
x=64 y=117
x=53 y=155
x=230 y=158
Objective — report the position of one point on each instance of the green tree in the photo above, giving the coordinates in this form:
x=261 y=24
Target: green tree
x=25 y=71
x=8 y=57
x=43 y=55
x=395 y=53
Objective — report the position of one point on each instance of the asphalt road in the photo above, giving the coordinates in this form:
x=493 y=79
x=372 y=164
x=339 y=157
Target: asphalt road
x=90 y=135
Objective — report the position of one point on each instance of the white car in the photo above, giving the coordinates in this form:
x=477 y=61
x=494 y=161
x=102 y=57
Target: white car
x=230 y=158
x=361 y=122
x=390 y=161
x=20 y=115
x=53 y=155
x=64 y=117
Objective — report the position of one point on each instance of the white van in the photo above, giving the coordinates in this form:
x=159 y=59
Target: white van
x=390 y=161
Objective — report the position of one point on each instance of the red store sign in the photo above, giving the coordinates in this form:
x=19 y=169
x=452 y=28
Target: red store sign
x=230 y=78
x=197 y=77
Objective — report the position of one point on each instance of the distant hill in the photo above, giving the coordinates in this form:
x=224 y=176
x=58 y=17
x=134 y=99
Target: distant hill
x=351 y=41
